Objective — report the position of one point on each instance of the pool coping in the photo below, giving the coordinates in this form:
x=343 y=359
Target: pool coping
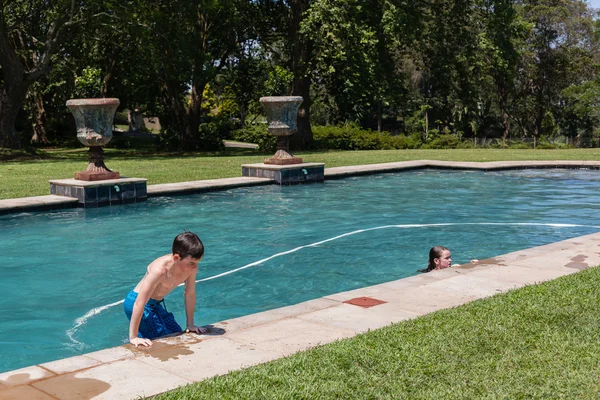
x=54 y=202
x=129 y=372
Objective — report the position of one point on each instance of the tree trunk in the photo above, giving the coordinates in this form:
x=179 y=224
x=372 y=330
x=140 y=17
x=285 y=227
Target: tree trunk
x=178 y=117
x=243 y=114
x=538 y=127
x=506 y=124
x=193 y=113
x=426 y=126
x=379 y=116
x=10 y=104
x=38 y=124
x=301 y=55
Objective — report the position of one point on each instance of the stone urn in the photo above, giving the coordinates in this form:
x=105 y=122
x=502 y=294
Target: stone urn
x=282 y=113
x=94 y=120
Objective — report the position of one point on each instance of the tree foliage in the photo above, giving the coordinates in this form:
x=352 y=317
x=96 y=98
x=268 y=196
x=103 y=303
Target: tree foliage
x=467 y=68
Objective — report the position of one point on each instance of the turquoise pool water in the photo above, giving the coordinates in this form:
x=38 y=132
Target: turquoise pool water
x=63 y=274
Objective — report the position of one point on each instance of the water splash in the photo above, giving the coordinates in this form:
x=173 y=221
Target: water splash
x=83 y=319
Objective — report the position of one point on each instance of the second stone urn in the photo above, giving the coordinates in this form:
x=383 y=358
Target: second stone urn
x=94 y=120
x=282 y=113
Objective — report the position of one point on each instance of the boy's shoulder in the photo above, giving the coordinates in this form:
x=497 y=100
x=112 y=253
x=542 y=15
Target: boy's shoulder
x=160 y=266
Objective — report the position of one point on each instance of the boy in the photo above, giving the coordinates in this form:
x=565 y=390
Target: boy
x=148 y=318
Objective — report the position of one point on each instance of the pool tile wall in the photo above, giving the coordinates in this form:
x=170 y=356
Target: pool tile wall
x=101 y=193
x=286 y=174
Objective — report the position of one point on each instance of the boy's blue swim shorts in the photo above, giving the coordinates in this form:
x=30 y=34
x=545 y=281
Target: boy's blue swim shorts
x=156 y=321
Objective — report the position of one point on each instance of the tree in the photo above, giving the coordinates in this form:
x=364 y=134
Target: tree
x=190 y=43
x=31 y=32
x=558 y=53
x=278 y=26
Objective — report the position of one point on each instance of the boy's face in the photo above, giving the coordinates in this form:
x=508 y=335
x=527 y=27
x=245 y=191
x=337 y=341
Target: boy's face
x=187 y=262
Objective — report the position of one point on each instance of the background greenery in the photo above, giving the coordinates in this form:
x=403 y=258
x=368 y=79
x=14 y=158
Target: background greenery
x=441 y=73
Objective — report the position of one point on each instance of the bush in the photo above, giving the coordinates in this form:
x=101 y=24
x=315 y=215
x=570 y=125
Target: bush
x=209 y=137
x=518 y=144
x=413 y=141
x=256 y=134
x=121 y=118
x=444 y=141
x=349 y=137
x=544 y=145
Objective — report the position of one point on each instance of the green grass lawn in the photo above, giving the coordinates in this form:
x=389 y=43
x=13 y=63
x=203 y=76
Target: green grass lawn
x=538 y=342
x=27 y=173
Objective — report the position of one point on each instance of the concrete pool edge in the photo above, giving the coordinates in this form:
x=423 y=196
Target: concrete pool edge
x=127 y=372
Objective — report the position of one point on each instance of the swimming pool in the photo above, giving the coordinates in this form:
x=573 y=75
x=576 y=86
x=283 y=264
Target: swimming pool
x=64 y=274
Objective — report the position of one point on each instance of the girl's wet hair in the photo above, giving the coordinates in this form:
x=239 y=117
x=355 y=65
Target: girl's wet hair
x=435 y=252
x=188 y=244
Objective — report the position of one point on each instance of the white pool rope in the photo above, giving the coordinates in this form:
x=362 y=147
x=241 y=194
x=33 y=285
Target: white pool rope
x=95 y=311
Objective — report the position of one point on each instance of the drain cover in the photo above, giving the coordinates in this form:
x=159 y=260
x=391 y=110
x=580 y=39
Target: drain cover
x=365 y=302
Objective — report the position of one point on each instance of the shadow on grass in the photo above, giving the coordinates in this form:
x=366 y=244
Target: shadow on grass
x=35 y=154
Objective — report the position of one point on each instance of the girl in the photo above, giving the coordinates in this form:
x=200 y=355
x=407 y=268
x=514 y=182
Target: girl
x=439 y=258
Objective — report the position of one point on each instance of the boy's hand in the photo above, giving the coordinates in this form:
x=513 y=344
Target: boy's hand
x=196 y=329
x=138 y=341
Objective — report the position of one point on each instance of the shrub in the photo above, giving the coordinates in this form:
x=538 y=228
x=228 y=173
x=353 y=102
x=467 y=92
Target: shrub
x=256 y=134
x=413 y=141
x=121 y=118
x=349 y=137
x=545 y=145
x=210 y=136
x=518 y=144
x=443 y=141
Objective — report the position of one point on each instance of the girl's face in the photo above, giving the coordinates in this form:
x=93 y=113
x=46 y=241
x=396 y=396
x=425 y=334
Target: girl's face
x=444 y=261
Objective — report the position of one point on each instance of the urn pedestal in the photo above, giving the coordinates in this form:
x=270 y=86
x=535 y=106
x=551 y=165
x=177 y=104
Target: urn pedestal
x=283 y=167
x=97 y=186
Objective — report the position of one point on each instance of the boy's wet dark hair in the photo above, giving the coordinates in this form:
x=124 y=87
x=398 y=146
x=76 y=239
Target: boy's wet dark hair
x=188 y=244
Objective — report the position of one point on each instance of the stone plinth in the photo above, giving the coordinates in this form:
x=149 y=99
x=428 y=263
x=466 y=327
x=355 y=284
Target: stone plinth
x=101 y=193
x=286 y=174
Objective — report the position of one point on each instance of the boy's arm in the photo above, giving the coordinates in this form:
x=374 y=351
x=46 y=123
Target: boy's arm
x=146 y=289
x=190 y=304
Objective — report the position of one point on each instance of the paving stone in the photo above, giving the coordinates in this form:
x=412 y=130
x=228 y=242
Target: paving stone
x=305 y=307
x=208 y=358
x=561 y=260
x=369 y=291
x=112 y=354
x=70 y=364
x=290 y=335
x=421 y=301
x=398 y=285
x=521 y=275
x=359 y=319
x=25 y=392
x=248 y=321
x=469 y=285
x=23 y=376
x=205 y=185
x=124 y=379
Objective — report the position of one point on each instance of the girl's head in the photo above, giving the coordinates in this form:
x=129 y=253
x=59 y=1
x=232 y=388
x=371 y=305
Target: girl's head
x=439 y=258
